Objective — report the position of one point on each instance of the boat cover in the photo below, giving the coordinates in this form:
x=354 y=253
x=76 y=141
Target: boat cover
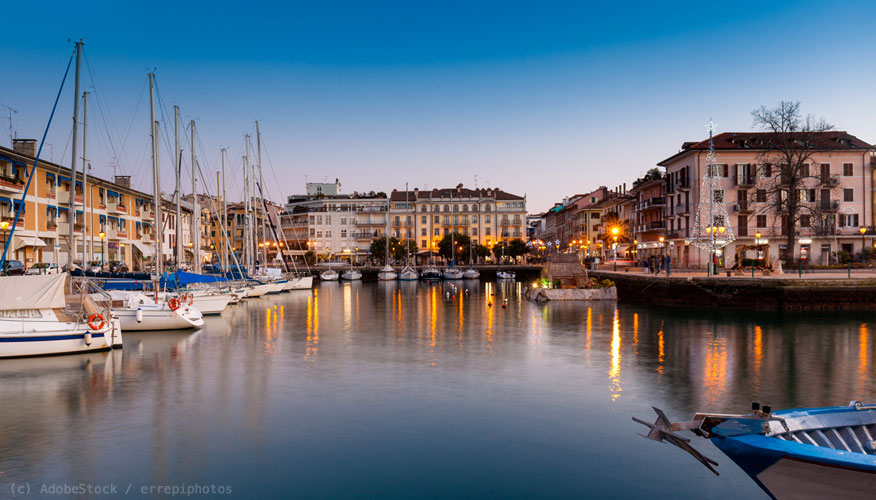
x=42 y=291
x=181 y=279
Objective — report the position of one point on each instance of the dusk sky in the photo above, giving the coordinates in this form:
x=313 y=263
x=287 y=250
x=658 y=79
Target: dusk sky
x=539 y=99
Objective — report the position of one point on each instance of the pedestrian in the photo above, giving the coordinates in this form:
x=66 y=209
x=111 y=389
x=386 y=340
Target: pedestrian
x=644 y=264
x=668 y=264
x=650 y=264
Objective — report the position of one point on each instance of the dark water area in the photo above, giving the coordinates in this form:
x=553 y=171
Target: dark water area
x=401 y=390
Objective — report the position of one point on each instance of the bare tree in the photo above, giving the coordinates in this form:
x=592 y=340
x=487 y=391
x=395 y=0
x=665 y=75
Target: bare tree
x=787 y=173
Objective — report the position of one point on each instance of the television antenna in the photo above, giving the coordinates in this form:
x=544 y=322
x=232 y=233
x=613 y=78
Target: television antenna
x=10 y=112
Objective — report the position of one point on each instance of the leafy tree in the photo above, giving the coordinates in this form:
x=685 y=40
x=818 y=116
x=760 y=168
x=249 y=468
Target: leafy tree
x=481 y=251
x=399 y=249
x=462 y=242
x=310 y=257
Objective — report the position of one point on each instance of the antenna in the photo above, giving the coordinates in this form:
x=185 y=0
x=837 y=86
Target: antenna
x=8 y=116
x=476 y=181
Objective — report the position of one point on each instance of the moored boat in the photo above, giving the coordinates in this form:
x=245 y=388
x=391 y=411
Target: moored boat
x=408 y=274
x=140 y=312
x=452 y=273
x=806 y=453
x=387 y=273
x=37 y=318
x=505 y=275
x=351 y=275
x=329 y=275
x=431 y=273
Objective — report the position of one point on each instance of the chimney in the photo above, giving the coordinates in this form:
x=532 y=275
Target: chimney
x=459 y=188
x=123 y=181
x=26 y=147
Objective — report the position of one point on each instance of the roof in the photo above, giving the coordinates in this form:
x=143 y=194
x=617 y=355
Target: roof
x=457 y=192
x=758 y=141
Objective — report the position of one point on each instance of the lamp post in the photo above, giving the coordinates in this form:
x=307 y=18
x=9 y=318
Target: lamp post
x=102 y=235
x=614 y=233
x=863 y=231
x=5 y=226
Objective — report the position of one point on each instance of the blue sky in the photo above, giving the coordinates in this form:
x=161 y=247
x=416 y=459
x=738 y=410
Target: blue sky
x=543 y=100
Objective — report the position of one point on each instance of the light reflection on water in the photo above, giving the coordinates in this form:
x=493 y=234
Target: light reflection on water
x=397 y=388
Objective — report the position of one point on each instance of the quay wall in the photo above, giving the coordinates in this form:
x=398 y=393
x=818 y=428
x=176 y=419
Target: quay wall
x=788 y=294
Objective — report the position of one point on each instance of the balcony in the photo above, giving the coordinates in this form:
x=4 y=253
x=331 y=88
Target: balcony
x=147 y=237
x=114 y=207
x=742 y=208
x=656 y=202
x=51 y=225
x=11 y=184
x=656 y=224
x=828 y=205
x=745 y=180
x=682 y=184
x=64 y=228
x=682 y=209
x=829 y=180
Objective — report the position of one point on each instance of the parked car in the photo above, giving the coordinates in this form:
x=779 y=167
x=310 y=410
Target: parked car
x=13 y=268
x=43 y=268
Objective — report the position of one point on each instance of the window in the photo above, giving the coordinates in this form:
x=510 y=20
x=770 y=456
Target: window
x=719 y=196
x=328 y=220
x=455 y=208
x=446 y=219
x=825 y=172
x=408 y=220
x=474 y=208
x=742 y=225
x=319 y=220
x=487 y=219
x=328 y=234
x=437 y=232
x=423 y=208
x=848 y=194
x=343 y=233
x=424 y=219
x=422 y=243
x=804 y=221
x=489 y=208
x=804 y=170
x=474 y=219
x=423 y=232
x=848 y=220
x=446 y=208
x=446 y=231
x=319 y=234
x=848 y=169
x=465 y=208
x=487 y=231
x=760 y=196
x=397 y=220
x=437 y=219
x=761 y=221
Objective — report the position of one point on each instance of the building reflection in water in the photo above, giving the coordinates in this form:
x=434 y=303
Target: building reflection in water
x=863 y=347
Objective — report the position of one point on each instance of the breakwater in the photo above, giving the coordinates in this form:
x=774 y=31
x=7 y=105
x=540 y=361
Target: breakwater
x=777 y=293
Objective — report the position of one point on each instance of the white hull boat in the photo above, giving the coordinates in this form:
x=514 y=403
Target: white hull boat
x=330 y=275
x=810 y=453
x=452 y=273
x=299 y=283
x=431 y=273
x=351 y=275
x=207 y=303
x=471 y=274
x=408 y=274
x=258 y=290
x=505 y=275
x=37 y=319
x=139 y=312
x=387 y=274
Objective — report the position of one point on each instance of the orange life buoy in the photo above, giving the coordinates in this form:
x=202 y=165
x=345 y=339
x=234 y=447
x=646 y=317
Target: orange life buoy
x=190 y=298
x=93 y=318
x=173 y=304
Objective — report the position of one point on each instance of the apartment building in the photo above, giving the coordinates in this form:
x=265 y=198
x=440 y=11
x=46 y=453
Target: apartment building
x=111 y=221
x=649 y=224
x=837 y=193
x=487 y=215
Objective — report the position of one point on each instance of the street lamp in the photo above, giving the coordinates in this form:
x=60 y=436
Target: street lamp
x=102 y=235
x=863 y=231
x=5 y=225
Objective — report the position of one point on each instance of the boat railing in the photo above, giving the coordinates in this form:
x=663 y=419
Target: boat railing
x=87 y=298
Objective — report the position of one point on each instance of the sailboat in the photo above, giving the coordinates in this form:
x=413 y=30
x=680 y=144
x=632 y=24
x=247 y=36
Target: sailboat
x=329 y=275
x=36 y=316
x=408 y=273
x=471 y=273
x=452 y=273
x=387 y=273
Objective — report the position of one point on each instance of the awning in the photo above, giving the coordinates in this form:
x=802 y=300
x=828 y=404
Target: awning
x=29 y=241
x=146 y=250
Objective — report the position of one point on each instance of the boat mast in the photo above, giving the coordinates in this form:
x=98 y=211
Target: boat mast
x=74 y=157
x=224 y=219
x=452 y=238
x=246 y=201
x=196 y=209
x=262 y=194
x=156 y=184
x=85 y=191
x=178 y=162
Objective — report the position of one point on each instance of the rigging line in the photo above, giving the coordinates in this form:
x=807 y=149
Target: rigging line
x=101 y=112
x=108 y=140
x=165 y=121
x=34 y=169
x=133 y=116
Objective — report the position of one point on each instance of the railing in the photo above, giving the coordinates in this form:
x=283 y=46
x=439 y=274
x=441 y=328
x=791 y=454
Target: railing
x=745 y=180
x=682 y=208
x=657 y=224
x=828 y=205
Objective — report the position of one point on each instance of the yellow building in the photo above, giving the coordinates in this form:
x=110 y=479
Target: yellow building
x=123 y=216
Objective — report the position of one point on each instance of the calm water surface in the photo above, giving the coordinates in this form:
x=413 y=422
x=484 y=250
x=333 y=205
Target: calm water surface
x=397 y=390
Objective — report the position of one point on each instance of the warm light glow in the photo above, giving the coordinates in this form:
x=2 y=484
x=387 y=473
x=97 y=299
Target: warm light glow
x=4 y=225
x=102 y=235
x=757 y=235
x=615 y=369
x=661 y=239
x=615 y=230
x=863 y=230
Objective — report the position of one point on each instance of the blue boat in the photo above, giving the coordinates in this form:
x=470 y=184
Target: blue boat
x=806 y=453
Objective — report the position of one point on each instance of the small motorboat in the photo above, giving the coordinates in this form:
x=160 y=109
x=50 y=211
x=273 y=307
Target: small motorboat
x=431 y=273
x=329 y=275
x=505 y=275
x=806 y=453
x=408 y=274
x=351 y=275
x=387 y=274
x=452 y=273
x=471 y=274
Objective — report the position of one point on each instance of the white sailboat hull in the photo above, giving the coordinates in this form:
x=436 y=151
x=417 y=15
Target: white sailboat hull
x=29 y=337
x=471 y=274
x=329 y=276
x=351 y=275
x=387 y=275
x=452 y=274
x=299 y=283
x=409 y=276
x=158 y=320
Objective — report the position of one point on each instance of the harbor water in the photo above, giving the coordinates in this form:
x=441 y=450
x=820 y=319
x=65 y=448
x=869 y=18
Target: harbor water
x=406 y=389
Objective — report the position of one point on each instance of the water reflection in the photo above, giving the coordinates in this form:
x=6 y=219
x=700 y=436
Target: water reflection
x=319 y=381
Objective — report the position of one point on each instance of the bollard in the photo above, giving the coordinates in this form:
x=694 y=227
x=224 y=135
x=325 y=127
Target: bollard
x=850 y=270
x=752 y=271
x=800 y=269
